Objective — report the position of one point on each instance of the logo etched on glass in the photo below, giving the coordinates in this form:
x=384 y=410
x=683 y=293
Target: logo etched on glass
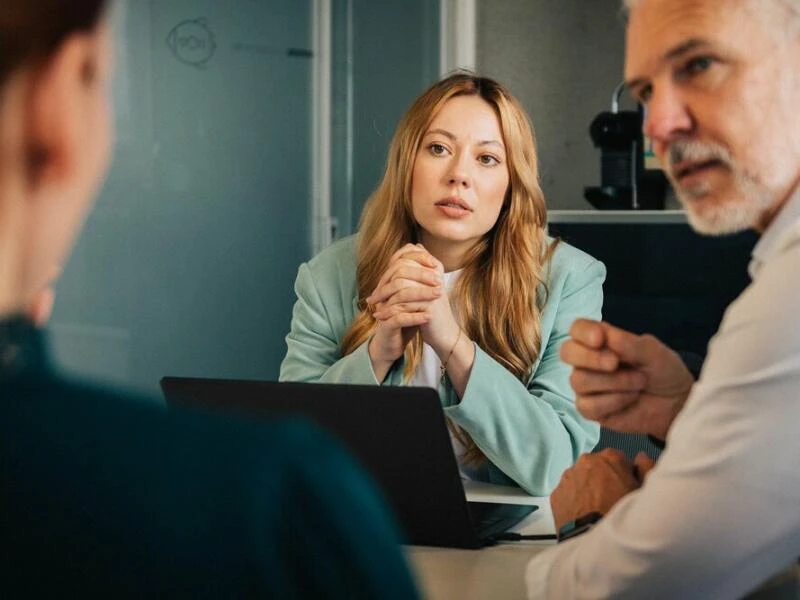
x=192 y=42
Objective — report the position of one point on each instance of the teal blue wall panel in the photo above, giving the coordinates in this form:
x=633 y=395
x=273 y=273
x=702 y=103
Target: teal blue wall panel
x=188 y=262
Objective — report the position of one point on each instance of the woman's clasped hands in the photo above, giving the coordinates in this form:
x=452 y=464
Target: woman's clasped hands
x=410 y=297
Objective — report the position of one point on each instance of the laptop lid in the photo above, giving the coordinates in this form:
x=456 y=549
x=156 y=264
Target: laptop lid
x=398 y=434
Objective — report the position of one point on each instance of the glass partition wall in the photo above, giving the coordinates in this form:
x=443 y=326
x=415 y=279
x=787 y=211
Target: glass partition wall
x=249 y=136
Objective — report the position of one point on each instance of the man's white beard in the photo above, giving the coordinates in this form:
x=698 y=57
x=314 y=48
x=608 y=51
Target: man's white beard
x=725 y=218
x=731 y=215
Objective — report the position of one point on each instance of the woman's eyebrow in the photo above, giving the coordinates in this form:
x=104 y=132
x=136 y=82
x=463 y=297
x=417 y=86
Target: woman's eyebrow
x=453 y=137
x=443 y=132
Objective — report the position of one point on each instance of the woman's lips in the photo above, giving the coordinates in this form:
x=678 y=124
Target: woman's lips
x=453 y=211
x=454 y=208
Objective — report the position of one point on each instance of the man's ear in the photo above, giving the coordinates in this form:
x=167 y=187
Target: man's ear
x=57 y=112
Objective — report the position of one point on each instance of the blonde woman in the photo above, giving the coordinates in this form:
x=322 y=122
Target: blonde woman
x=453 y=283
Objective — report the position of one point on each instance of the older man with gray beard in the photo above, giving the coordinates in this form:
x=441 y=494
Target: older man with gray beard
x=720 y=513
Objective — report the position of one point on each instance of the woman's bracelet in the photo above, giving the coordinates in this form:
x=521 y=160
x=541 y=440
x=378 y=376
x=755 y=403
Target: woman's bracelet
x=443 y=366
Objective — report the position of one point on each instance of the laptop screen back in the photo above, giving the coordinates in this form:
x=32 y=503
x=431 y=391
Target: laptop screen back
x=398 y=434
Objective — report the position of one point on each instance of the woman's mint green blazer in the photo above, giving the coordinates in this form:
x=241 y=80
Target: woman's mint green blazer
x=529 y=432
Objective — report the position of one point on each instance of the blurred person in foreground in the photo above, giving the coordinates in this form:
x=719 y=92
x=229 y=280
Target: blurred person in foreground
x=106 y=494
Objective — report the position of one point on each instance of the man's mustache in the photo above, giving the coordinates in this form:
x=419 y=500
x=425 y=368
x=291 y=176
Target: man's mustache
x=691 y=151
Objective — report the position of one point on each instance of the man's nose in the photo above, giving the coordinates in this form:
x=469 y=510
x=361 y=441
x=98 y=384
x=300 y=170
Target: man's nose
x=667 y=117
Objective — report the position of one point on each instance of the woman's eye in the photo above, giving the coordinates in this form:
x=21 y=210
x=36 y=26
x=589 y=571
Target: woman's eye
x=488 y=160
x=437 y=149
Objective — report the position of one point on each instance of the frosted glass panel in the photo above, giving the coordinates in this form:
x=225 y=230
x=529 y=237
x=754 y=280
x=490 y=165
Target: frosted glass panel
x=385 y=54
x=187 y=265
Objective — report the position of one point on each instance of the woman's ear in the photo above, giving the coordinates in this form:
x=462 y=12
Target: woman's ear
x=57 y=112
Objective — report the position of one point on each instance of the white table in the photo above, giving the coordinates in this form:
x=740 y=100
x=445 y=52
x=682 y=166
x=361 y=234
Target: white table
x=498 y=572
x=495 y=573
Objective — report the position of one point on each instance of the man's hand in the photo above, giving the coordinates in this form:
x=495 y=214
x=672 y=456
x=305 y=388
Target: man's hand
x=595 y=483
x=626 y=382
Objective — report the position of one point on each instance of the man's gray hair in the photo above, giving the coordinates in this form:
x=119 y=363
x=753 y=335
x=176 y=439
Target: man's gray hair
x=792 y=5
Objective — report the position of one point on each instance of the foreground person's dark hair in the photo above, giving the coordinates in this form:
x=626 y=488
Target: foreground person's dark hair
x=30 y=30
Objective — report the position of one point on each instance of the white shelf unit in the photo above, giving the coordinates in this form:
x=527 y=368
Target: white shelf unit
x=616 y=216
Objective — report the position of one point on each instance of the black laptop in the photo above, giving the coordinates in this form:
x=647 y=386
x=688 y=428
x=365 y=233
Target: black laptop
x=399 y=435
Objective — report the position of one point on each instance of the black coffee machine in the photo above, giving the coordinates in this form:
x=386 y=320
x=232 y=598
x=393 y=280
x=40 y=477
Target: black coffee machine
x=624 y=183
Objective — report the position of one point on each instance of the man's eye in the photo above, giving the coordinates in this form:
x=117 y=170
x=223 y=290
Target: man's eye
x=642 y=96
x=696 y=65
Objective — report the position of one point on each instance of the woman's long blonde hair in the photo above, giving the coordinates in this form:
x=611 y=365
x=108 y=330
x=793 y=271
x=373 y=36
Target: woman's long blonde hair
x=499 y=294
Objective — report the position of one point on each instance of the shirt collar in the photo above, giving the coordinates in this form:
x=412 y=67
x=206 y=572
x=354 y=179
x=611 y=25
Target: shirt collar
x=771 y=240
x=449 y=279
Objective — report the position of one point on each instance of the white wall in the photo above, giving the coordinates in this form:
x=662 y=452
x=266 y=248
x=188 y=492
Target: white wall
x=562 y=59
